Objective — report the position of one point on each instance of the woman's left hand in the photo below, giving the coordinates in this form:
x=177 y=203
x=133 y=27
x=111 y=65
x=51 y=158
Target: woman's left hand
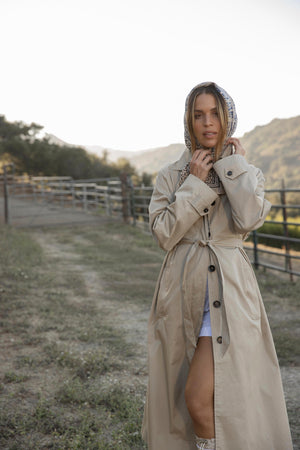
x=239 y=149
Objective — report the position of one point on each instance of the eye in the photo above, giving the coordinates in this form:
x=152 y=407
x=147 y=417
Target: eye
x=197 y=116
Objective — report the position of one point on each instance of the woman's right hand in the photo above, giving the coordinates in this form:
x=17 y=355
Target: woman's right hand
x=201 y=163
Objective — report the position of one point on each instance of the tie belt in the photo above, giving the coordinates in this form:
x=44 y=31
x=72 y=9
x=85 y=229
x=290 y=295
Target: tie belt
x=212 y=244
x=225 y=242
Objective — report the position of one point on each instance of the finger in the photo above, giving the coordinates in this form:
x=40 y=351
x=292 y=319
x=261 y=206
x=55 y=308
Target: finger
x=239 y=149
x=205 y=154
x=198 y=155
x=233 y=143
x=207 y=157
x=195 y=156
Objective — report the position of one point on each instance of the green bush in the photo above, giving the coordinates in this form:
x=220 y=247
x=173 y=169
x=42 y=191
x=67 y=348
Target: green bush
x=278 y=230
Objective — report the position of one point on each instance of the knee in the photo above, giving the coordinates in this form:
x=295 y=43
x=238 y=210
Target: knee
x=199 y=405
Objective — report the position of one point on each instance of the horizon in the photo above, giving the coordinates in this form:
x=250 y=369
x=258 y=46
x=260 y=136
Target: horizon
x=159 y=146
x=117 y=73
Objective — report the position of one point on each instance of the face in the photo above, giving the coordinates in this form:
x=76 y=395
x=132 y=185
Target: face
x=207 y=124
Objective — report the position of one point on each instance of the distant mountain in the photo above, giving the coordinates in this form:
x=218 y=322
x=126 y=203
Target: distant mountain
x=151 y=161
x=56 y=141
x=275 y=148
x=113 y=155
x=96 y=149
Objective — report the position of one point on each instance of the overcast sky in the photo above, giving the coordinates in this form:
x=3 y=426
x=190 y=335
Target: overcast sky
x=116 y=73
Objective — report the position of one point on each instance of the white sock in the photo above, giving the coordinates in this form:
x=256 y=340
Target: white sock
x=205 y=444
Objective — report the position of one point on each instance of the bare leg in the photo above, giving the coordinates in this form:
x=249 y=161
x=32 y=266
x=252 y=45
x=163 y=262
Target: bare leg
x=199 y=390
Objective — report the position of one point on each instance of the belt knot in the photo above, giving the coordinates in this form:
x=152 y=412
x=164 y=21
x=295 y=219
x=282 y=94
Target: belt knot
x=203 y=242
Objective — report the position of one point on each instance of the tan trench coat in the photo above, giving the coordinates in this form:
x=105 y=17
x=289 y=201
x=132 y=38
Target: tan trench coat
x=202 y=232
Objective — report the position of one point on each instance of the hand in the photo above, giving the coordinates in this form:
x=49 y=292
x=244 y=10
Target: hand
x=239 y=149
x=201 y=163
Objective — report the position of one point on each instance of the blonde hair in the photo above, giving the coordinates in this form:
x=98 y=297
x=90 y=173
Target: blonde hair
x=222 y=114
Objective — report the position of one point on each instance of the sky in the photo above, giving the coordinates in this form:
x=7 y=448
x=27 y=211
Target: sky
x=115 y=73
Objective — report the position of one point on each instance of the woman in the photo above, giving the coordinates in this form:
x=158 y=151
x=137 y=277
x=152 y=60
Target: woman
x=214 y=379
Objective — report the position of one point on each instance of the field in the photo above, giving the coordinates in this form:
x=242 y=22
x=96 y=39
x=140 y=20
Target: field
x=74 y=303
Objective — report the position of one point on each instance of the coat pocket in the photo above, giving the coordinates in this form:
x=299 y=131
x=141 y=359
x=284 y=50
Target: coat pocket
x=233 y=173
x=166 y=280
x=251 y=299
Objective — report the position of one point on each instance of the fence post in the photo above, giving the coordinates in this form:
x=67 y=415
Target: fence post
x=96 y=203
x=42 y=190
x=288 y=262
x=255 y=249
x=123 y=178
x=33 y=185
x=73 y=194
x=61 y=192
x=107 y=200
x=131 y=200
x=5 y=187
x=84 y=193
x=144 y=202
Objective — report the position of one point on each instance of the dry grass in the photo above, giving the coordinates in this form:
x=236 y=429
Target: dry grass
x=74 y=307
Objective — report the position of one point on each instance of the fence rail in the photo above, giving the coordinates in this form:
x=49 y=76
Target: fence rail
x=118 y=197
x=287 y=243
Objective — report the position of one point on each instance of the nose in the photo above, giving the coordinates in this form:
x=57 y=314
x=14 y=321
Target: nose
x=207 y=120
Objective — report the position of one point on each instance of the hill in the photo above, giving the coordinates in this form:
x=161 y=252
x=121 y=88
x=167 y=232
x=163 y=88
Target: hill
x=152 y=160
x=275 y=148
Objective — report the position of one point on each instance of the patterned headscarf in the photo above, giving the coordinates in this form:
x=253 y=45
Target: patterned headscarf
x=212 y=179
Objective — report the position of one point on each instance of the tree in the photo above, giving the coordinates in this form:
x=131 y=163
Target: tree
x=10 y=130
x=20 y=144
x=124 y=165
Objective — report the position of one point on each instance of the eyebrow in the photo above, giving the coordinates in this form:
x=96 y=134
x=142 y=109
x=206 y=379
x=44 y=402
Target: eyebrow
x=200 y=110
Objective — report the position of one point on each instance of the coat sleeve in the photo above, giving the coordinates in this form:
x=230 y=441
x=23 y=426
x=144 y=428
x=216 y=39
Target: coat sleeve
x=244 y=186
x=172 y=214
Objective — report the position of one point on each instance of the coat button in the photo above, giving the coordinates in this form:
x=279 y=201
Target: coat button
x=229 y=173
x=211 y=268
x=219 y=339
x=205 y=210
x=213 y=203
x=217 y=304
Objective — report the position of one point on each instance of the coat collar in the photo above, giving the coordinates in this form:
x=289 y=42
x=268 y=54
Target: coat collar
x=182 y=161
x=213 y=182
x=186 y=157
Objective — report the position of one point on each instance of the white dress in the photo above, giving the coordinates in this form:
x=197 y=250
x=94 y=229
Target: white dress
x=205 y=329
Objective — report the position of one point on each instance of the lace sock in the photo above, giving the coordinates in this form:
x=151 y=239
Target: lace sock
x=205 y=444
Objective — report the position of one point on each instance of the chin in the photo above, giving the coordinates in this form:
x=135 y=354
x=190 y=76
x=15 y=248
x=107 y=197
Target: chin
x=209 y=146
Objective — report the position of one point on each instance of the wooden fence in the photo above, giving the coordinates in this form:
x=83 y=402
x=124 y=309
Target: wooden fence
x=287 y=243
x=105 y=193
x=119 y=197
x=279 y=249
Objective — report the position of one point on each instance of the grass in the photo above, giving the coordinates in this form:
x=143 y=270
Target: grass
x=69 y=348
x=70 y=378
x=136 y=254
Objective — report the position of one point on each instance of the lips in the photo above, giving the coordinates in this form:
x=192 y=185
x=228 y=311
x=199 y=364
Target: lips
x=210 y=134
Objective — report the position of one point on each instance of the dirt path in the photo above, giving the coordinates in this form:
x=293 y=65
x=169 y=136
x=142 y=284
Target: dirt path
x=74 y=335
x=128 y=317
x=132 y=319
